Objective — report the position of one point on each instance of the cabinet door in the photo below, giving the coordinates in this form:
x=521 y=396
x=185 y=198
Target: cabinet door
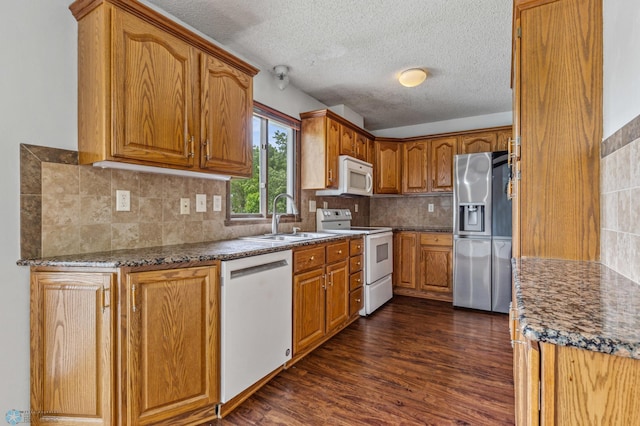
x=154 y=76
x=226 y=115
x=414 y=170
x=435 y=268
x=347 y=141
x=479 y=142
x=332 y=151
x=337 y=295
x=404 y=271
x=308 y=309
x=502 y=141
x=443 y=152
x=526 y=379
x=173 y=348
x=387 y=167
x=361 y=145
x=72 y=374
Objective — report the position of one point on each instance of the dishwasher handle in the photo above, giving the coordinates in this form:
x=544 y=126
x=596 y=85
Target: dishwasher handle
x=251 y=270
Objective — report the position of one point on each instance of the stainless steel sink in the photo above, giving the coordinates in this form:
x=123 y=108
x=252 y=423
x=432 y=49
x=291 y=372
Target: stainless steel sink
x=287 y=238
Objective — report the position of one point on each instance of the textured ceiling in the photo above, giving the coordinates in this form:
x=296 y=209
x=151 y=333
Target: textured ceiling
x=351 y=51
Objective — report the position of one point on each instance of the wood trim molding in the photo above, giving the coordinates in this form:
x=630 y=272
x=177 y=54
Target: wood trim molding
x=81 y=8
x=340 y=119
x=446 y=135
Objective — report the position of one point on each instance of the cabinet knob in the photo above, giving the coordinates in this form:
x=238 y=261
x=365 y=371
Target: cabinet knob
x=339 y=251
x=358 y=280
x=358 y=300
x=358 y=263
x=312 y=257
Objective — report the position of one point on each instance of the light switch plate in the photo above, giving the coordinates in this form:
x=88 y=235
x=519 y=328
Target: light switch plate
x=217 y=203
x=430 y=208
x=312 y=206
x=201 y=203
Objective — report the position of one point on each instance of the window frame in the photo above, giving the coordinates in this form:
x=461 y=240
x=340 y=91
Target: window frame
x=269 y=113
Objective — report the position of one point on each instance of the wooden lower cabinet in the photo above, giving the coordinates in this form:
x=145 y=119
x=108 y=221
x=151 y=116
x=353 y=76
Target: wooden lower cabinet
x=562 y=385
x=356 y=277
x=423 y=265
x=321 y=295
x=72 y=348
x=140 y=350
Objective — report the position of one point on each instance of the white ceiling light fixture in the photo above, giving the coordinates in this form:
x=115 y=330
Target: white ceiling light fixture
x=412 y=77
x=281 y=74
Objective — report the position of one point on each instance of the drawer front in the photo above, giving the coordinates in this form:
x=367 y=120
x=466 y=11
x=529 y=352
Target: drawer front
x=355 y=263
x=308 y=258
x=337 y=251
x=436 y=239
x=356 y=301
x=356 y=246
x=356 y=280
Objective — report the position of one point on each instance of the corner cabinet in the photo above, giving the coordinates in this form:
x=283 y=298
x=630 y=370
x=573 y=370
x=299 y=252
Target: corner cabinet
x=427 y=165
x=152 y=93
x=121 y=347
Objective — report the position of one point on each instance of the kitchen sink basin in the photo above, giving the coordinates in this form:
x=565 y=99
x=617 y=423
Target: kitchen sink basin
x=287 y=238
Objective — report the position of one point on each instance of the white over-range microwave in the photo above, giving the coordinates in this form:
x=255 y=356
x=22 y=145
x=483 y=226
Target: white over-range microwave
x=355 y=177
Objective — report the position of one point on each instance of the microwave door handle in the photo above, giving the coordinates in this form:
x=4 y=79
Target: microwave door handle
x=369 y=182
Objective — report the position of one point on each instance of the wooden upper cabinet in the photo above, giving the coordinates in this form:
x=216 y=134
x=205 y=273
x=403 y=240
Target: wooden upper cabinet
x=173 y=343
x=388 y=167
x=227 y=103
x=146 y=87
x=502 y=142
x=325 y=136
x=347 y=141
x=415 y=167
x=153 y=80
x=442 y=154
x=361 y=146
x=478 y=142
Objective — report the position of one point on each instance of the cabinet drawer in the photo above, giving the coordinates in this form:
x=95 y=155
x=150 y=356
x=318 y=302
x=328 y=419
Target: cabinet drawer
x=337 y=251
x=356 y=301
x=355 y=263
x=356 y=246
x=356 y=280
x=436 y=239
x=308 y=258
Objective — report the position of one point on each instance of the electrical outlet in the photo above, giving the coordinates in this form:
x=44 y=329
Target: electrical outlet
x=355 y=207
x=430 y=208
x=325 y=205
x=185 y=206
x=123 y=201
x=201 y=203
x=312 y=206
x=217 y=203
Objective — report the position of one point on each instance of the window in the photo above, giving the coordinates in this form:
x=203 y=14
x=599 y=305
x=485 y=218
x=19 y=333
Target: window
x=275 y=138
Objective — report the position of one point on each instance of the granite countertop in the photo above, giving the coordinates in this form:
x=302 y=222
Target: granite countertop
x=422 y=229
x=175 y=254
x=576 y=303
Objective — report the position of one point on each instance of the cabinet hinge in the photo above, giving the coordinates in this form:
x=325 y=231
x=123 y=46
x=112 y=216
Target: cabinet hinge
x=519 y=32
x=517 y=140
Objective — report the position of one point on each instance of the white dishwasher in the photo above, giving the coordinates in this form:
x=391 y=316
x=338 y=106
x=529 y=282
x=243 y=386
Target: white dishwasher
x=256 y=325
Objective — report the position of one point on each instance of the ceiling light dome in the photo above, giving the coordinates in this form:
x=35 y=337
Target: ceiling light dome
x=412 y=77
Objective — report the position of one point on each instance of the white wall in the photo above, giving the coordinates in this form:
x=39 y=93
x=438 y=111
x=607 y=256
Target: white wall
x=38 y=106
x=621 y=100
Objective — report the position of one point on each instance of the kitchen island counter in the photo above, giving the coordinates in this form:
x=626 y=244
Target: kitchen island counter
x=173 y=254
x=581 y=304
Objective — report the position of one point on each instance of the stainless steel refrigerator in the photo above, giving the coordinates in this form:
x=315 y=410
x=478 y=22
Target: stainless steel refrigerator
x=481 y=232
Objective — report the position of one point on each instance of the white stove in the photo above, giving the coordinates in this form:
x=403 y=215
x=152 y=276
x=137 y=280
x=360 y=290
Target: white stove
x=378 y=254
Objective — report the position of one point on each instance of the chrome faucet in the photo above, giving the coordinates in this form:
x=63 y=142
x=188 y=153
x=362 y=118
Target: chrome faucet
x=275 y=218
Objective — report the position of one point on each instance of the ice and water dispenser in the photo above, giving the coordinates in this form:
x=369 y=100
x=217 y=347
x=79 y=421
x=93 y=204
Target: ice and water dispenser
x=471 y=217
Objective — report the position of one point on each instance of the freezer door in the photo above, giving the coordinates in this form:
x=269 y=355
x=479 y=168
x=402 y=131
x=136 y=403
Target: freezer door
x=501 y=275
x=472 y=273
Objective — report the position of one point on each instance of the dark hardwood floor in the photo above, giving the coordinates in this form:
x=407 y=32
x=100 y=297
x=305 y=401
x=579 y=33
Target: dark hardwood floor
x=412 y=362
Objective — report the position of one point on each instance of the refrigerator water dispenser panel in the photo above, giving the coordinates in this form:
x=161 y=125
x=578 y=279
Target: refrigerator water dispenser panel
x=472 y=217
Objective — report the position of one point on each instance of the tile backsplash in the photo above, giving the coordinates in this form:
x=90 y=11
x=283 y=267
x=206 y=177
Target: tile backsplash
x=412 y=211
x=620 y=207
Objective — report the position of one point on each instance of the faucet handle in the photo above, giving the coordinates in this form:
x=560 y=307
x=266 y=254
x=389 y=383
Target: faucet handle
x=295 y=229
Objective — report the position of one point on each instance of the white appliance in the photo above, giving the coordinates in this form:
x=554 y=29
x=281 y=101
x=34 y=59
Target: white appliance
x=355 y=177
x=256 y=324
x=378 y=254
